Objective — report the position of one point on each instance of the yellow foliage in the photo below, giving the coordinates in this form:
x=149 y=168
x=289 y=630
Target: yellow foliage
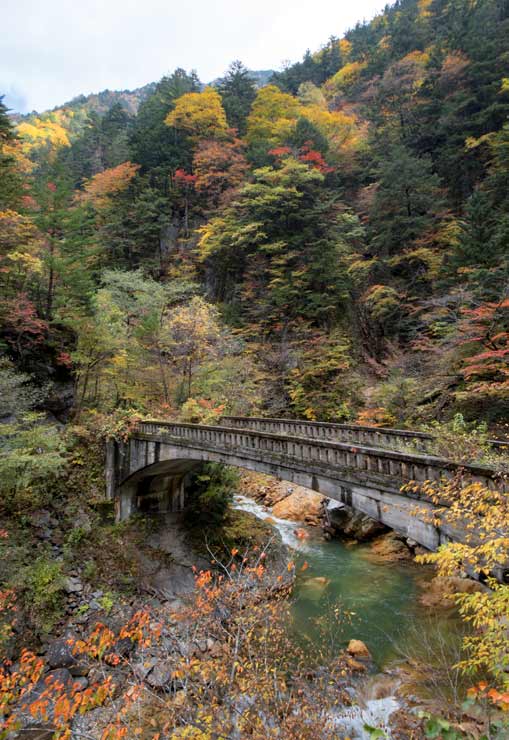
x=482 y=515
x=208 y=232
x=345 y=47
x=40 y=132
x=25 y=262
x=20 y=249
x=345 y=77
x=273 y=116
x=420 y=58
x=382 y=301
x=360 y=269
x=15 y=150
x=199 y=114
x=431 y=258
x=424 y=8
x=340 y=129
x=309 y=94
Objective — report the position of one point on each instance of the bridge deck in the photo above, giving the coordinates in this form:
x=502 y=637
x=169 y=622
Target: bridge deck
x=403 y=440
x=393 y=466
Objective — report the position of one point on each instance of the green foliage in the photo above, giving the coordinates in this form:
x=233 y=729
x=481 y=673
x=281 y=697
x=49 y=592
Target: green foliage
x=407 y=199
x=323 y=386
x=211 y=492
x=10 y=181
x=460 y=440
x=153 y=144
x=41 y=585
x=32 y=455
x=374 y=733
x=107 y=602
x=284 y=241
x=18 y=392
x=399 y=396
x=443 y=729
x=237 y=90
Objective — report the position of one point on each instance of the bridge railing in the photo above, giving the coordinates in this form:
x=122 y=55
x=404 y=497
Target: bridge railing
x=392 y=439
x=395 y=468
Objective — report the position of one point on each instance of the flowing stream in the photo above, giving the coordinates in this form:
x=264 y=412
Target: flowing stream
x=344 y=594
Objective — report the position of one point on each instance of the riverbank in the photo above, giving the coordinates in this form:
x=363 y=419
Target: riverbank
x=371 y=591
x=217 y=626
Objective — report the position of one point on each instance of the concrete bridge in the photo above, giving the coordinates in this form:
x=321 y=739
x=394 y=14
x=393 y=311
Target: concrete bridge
x=351 y=464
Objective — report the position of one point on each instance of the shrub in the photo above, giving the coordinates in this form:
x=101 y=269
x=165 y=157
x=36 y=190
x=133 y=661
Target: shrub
x=459 y=440
x=32 y=455
x=41 y=586
x=211 y=493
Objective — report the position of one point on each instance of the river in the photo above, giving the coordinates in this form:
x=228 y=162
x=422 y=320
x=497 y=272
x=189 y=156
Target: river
x=342 y=593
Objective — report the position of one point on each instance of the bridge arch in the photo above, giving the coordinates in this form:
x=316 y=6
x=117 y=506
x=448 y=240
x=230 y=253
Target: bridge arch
x=156 y=459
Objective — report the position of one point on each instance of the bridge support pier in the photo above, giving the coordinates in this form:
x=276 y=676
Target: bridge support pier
x=160 y=494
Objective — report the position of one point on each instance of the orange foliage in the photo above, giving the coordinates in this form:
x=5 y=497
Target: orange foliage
x=102 y=187
x=485 y=330
x=219 y=167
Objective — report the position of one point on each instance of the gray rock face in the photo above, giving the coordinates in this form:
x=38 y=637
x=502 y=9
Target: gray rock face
x=60 y=676
x=160 y=675
x=344 y=521
x=73 y=585
x=60 y=654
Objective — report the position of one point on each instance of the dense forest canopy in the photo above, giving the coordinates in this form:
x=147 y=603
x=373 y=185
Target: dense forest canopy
x=331 y=242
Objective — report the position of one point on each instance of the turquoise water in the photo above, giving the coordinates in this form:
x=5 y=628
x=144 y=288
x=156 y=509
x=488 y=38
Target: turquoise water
x=342 y=594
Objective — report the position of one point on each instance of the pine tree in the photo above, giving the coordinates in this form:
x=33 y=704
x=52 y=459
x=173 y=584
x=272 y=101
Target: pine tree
x=10 y=184
x=237 y=89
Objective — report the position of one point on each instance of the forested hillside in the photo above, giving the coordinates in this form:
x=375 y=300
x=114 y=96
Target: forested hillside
x=329 y=242
x=332 y=245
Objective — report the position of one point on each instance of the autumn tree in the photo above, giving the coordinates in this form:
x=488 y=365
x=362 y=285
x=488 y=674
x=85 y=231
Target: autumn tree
x=192 y=335
x=271 y=120
x=483 y=337
x=153 y=144
x=219 y=168
x=101 y=188
x=199 y=115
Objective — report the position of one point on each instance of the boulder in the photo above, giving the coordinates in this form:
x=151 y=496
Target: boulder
x=142 y=669
x=302 y=505
x=313 y=588
x=60 y=677
x=390 y=548
x=440 y=590
x=80 y=683
x=60 y=654
x=160 y=675
x=346 y=522
x=73 y=585
x=358 y=649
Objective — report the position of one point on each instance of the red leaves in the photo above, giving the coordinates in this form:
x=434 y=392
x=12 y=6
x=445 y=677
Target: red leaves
x=64 y=358
x=280 y=151
x=315 y=159
x=305 y=154
x=184 y=179
x=220 y=167
x=24 y=329
x=487 y=326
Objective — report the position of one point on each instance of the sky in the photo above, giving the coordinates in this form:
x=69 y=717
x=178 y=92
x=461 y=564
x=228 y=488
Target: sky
x=53 y=50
